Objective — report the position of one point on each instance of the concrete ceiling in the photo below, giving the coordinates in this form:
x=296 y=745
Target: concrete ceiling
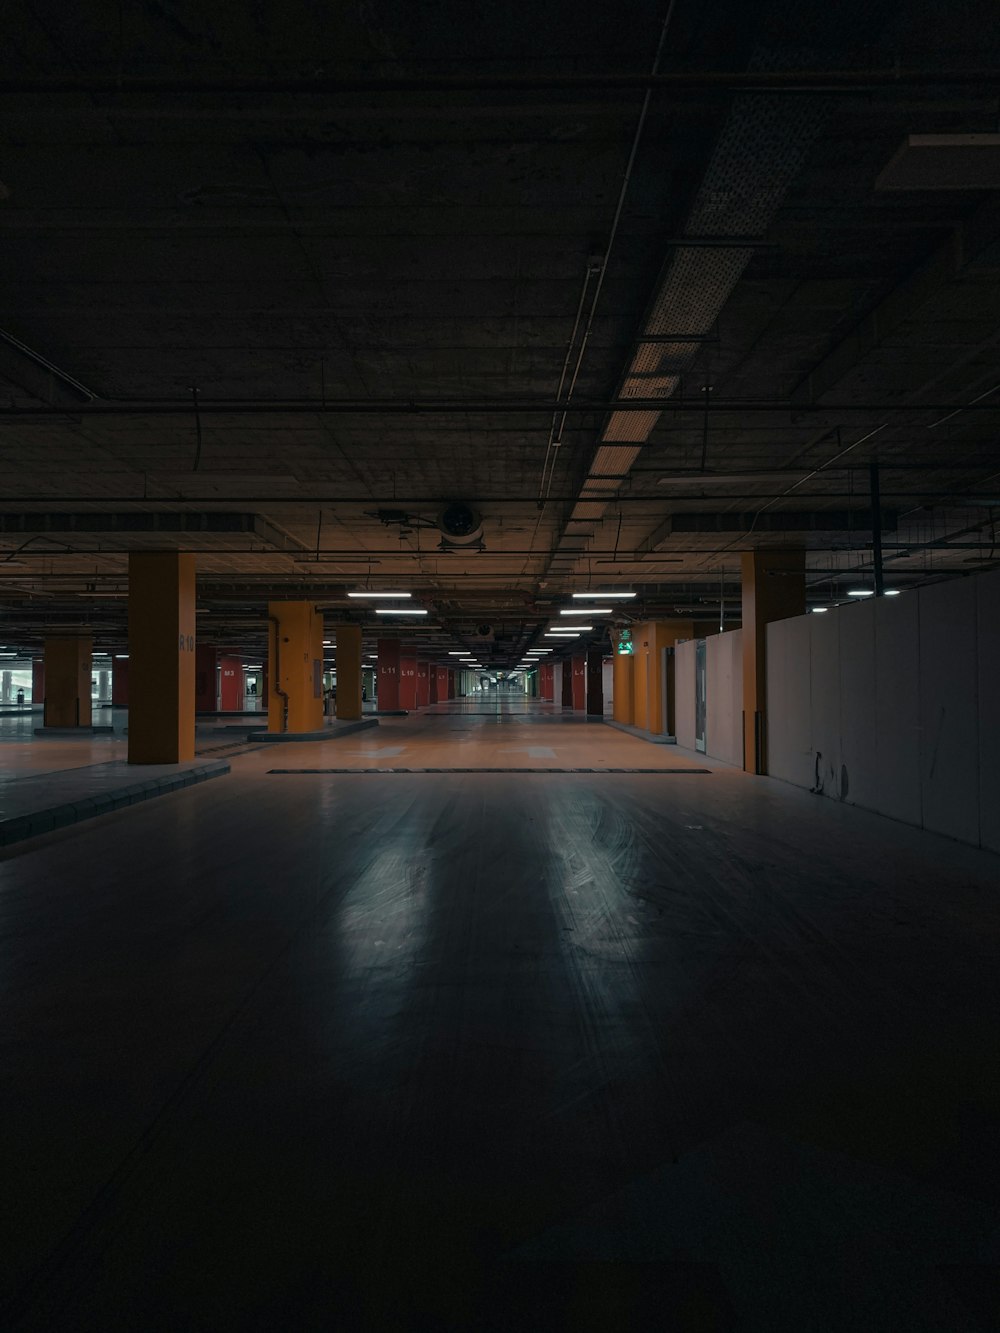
x=332 y=268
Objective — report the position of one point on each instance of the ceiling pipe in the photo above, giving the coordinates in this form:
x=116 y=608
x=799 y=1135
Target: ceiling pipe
x=845 y=81
x=497 y=406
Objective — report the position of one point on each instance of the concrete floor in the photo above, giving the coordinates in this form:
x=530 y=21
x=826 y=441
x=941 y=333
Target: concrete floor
x=484 y=1050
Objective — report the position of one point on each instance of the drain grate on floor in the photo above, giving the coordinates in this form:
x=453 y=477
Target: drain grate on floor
x=357 y=772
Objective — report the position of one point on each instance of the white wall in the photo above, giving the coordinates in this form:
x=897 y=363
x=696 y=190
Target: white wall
x=724 y=696
x=891 y=704
x=684 y=693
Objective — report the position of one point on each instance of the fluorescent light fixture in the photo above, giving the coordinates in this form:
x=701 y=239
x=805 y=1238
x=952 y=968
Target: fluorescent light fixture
x=454 y=652
x=121 y=657
x=327 y=643
x=582 y=628
x=399 y=611
x=589 y=611
x=891 y=592
x=252 y=666
x=860 y=592
x=380 y=594
x=819 y=610
x=372 y=657
x=533 y=651
x=562 y=636
x=603 y=596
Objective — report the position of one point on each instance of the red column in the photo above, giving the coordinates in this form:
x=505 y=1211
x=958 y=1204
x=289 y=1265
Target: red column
x=546 y=681
x=595 y=682
x=432 y=681
x=38 y=681
x=388 y=675
x=442 y=683
x=230 y=683
x=206 y=659
x=580 y=683
x=423 y=684
x=408 y=682
x=451 y=682
x=566 y=667
x=119 y=682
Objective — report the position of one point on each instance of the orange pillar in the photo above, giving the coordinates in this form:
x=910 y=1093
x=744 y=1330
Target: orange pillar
x=774 y=588
x=621 y=704
x=295 y=661
x=349 y=672
x=161 y=661
x=67 y=681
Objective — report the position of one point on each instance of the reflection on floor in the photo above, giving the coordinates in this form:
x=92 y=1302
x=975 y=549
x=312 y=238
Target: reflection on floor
x=500 y=1051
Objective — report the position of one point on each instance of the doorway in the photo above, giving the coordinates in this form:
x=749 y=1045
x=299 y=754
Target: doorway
x=700 y=695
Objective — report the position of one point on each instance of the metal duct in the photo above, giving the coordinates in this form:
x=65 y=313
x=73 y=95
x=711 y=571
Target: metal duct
x=760 y=151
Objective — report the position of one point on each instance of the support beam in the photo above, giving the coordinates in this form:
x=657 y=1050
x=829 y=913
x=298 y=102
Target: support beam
x=348 y=657
x=67 y=681
x=295 y=657
x=774 y=588
x=161 y=645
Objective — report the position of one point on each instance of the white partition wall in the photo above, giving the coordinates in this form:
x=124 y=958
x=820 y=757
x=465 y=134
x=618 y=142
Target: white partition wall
x=724 y=696
x=684 y=693
x=789 y=731
x=891 y=704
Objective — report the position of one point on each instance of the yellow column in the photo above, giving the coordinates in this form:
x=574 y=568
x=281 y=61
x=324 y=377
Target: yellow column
x=622 y=688
x=295 y=667
x=161 y=648
x=650 y=709
x=67 y=682
x=774 y=588
x=349 y=672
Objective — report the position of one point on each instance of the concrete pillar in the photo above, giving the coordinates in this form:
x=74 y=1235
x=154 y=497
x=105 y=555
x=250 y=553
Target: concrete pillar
x=161 y=645
x=408 y=682
x=622 y=693
x=549 y=680
x=774 y=588
x=651 y=705
x=67 y=682
x=37 y=681
x=595 y=682
x=206 y=685
x=388 y=676
x=295 y=658
x=119 y=681
x=580 y=682
x=423 y=684
x=564 y=674
x=230 y=683
x=451 y=682
x=348 y=672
